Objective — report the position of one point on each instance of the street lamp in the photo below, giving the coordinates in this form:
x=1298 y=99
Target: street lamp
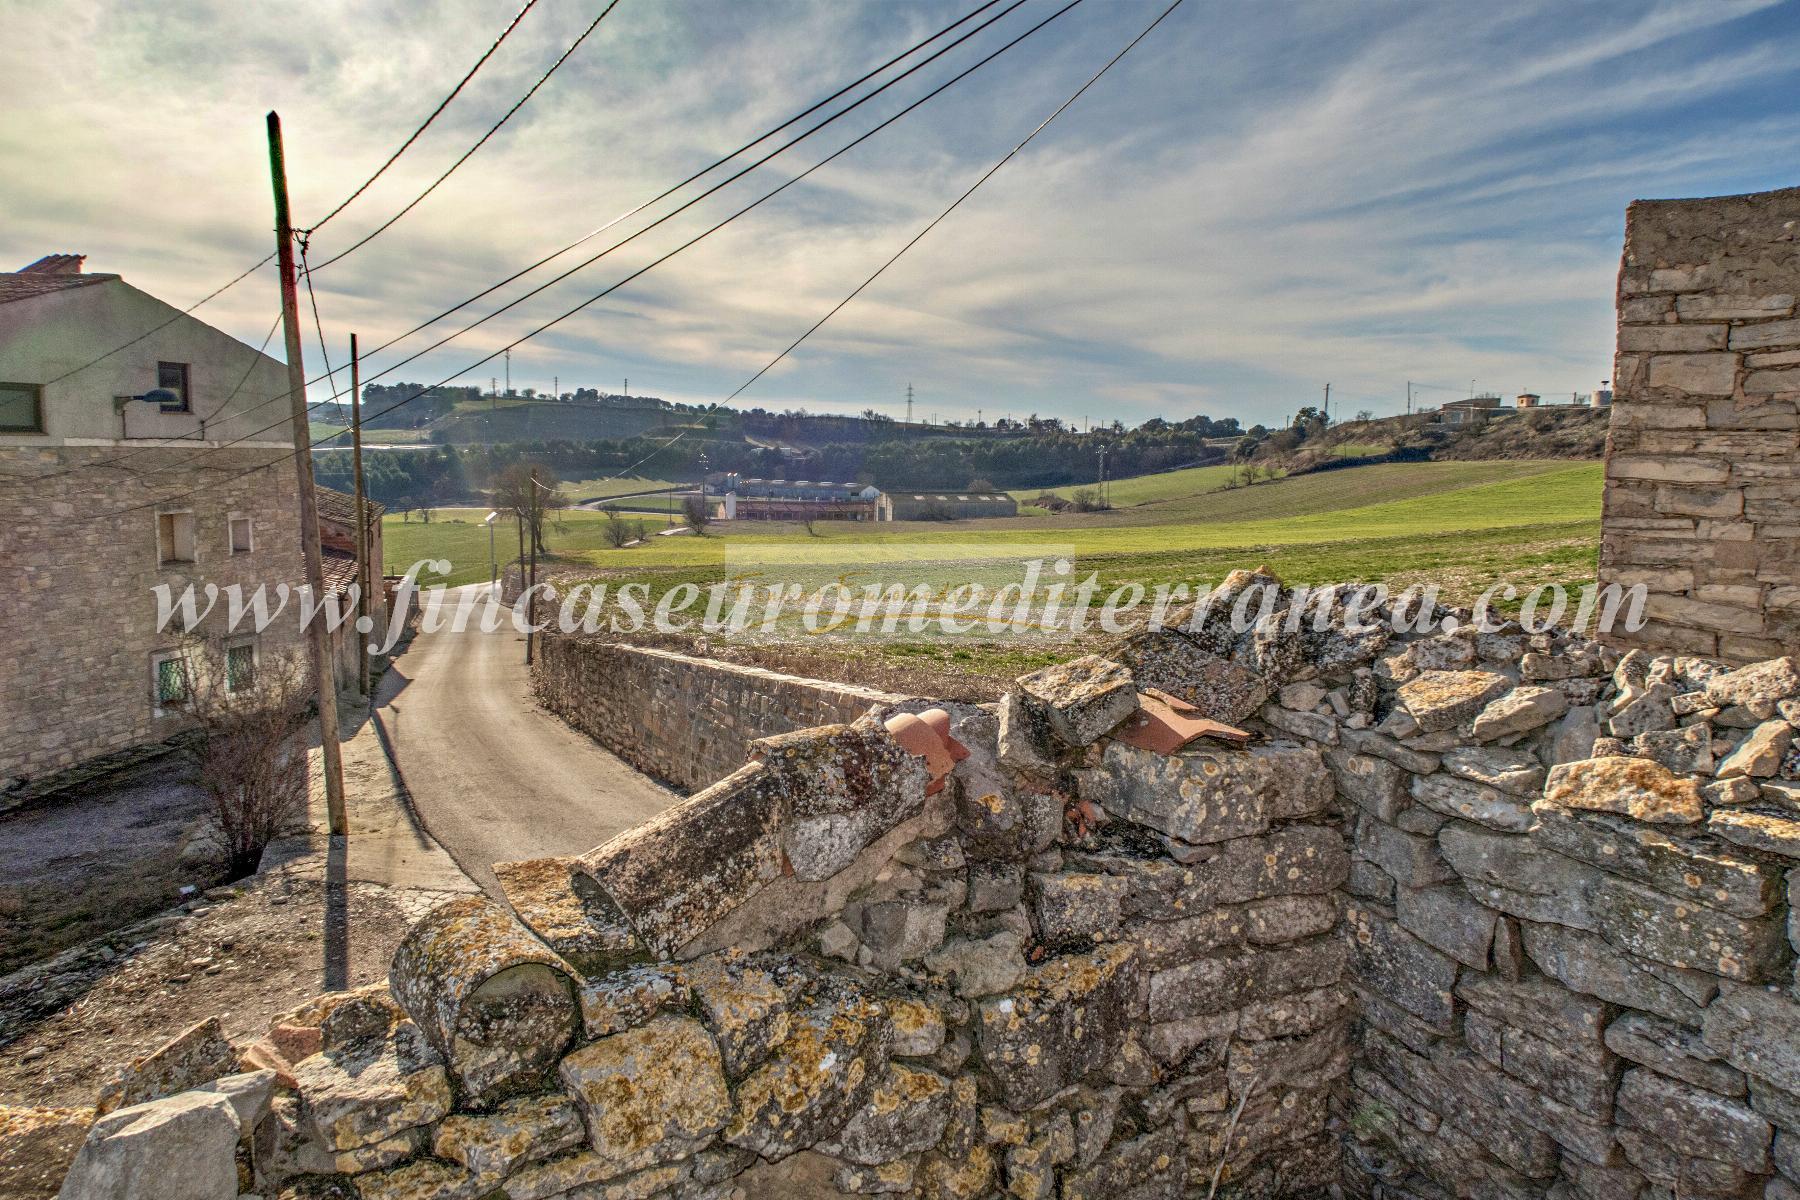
x=493 y=566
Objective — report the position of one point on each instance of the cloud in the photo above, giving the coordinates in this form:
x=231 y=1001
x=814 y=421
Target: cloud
x=1257 y=200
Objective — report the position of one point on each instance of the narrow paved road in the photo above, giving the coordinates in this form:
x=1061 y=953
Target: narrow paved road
x=492 y=776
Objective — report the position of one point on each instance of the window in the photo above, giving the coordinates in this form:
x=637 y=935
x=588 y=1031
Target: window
x=174 y=376
x=169 y=683
x=241 y=540
x=21 y=408
x=175 y=537
x=240 y=667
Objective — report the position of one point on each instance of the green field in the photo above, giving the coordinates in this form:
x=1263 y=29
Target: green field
x=1461 y=523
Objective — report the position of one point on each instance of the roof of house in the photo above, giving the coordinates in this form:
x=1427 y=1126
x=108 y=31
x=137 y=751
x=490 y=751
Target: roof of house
x=341 y=506
x=51 y=273
x=339 y=569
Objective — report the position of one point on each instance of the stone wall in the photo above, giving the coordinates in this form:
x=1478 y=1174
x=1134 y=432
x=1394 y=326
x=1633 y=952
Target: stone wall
x=1437 y=914
x=688 y=721
x=1702 y=498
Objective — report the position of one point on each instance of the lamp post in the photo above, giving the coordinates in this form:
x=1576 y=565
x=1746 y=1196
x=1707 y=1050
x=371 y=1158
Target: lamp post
x=493 y=565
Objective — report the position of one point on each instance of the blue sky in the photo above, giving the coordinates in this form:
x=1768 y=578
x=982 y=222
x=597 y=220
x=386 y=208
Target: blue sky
x=1262 y=198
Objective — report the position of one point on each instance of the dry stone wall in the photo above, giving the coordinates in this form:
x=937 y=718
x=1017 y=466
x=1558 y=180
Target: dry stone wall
x=1451 y=914
x=1702 y=502
x=686 y=720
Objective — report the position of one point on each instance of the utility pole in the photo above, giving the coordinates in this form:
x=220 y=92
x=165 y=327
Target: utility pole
x=309 y=507
x=1328 y=404
x=1409 y=397
x=364 y=576
x=531 y=507
x=909 y=406
x=556 y=387
x=1103 y=477
x=509 y=370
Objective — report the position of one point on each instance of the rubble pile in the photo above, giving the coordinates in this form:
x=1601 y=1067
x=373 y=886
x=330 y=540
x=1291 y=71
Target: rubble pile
x=1239 y=913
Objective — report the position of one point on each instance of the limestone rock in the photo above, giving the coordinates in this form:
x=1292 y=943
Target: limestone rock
x=1442 y=700
x=1685 y=751
x=197 y=1055
x=680 y=872
x=1646 y=710
x=1082 y=699
x=423 y=1179
x=1372 y=783
x=1673 y=861
x=906 y=1113
x=563 y=907
x=843 y=787
x=650 y=1094
x=1574 y=736
x=1587 y=964
x=1757 y=831
x=1520 y=710
x=918 y=1027
x=1636 y=787
x=1068 y=1018
x=1220 y=689
x=1024 y=735
x=1472 y=801
x=180 y=1147
x=493 y=999
x=1448 y=920
x=833 y=1059
x=1400 y=967
x=250 y=1093
x=895 y=931
x=980 y=966
x=616 y=1001
x=1514 y=772
x=1204 y=796
x=1692 y=1121
x=1756 y=1030
x=491 y=1146
x=1759 y=683
x=1068 y=908
x=366 y=1093
x=745 y=1007
x=1759 y=755
x=1673 y=1050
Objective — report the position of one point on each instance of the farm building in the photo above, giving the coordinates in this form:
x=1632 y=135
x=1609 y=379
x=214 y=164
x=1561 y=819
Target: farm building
x=734 y=498
x=951 y=506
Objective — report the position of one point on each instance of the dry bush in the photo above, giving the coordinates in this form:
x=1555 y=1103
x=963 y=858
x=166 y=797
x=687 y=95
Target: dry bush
x=252 y=754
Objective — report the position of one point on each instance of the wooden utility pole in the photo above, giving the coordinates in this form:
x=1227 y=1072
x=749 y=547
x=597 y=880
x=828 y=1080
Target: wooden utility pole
x=309 y=507
x=365 y=577
x=531 y=508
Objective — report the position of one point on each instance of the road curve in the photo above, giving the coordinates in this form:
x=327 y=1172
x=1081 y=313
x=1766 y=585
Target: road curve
x=492 y=776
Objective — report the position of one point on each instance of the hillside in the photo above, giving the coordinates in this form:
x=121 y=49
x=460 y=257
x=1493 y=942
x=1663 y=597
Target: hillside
x=1555 y=432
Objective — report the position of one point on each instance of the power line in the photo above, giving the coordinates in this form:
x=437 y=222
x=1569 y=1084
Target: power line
x=426 y=324
x=642 y=270
x=435 y=113
x=915 y=240
x=965 y=73
x=270 y=257
x=762 y=137
x=467 y=154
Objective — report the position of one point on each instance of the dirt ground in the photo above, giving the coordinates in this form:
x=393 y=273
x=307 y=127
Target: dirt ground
x=79 y=865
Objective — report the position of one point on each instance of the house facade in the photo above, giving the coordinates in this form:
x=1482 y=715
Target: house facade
x=106 y=496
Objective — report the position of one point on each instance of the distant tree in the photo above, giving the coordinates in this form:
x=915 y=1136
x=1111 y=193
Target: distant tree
x=530 y=500
x=616 y=531
x=982 y=483
x=1363 y=414
x=696 y=513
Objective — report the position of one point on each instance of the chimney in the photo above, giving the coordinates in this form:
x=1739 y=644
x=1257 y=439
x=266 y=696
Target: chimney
x=56 y=264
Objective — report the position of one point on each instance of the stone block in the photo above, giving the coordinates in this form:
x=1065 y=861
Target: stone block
x=1765 y=832
x=1385 y=958
x=1288 y=919
x=1693 y=1122
x=905 y=1114
x=1702 y=374
x=1456 y=797
x=1070 y=908
x=491 y=1146
x=494 y=1001
x=197 y=1055
x=1227 y=981
x=1082 y=699
x=564 y=908
x=650 y=1094
x=828 y=1068
x=682 y=871
x=614 y=1002
x=979 y=966
x=1588 y=964
x=1068 y=1017
x=178 y=1147
x=744 y=1005
x=1201 y=797
x=1372 y=783
x=1765 y=336
x=1635 y=787
x=1412 y=860
x=1220 y=689
x=1447 y=920
x=1513 y=771
x=1665 y=339
x=368 y=1092
x=841 y=787
x=1673 y=1050
x=1441 y=700
x=1759 y=755
x=1756 y=1031
x=1734 y=307
x=1678 y=863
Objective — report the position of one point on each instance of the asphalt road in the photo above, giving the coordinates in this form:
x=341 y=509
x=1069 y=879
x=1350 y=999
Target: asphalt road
x=492 y=776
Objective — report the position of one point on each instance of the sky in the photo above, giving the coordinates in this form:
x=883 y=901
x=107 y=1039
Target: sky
x=1260 y=199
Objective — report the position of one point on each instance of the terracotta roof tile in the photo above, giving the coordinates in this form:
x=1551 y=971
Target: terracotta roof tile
x=27 y=285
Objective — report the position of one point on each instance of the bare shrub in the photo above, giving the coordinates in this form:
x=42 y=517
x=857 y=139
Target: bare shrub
x=1088 y=500
x=616 y=531
x=253 y=711
x=696 y=514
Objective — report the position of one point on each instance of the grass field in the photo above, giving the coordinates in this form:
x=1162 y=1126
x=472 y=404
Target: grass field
x=1465 y=522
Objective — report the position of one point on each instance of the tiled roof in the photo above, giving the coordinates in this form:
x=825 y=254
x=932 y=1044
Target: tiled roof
x=341 y=507
x=25 y=285
x=340 y=569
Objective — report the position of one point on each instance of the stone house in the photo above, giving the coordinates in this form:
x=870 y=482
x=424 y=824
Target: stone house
x=337 y=546
x=139 y=447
